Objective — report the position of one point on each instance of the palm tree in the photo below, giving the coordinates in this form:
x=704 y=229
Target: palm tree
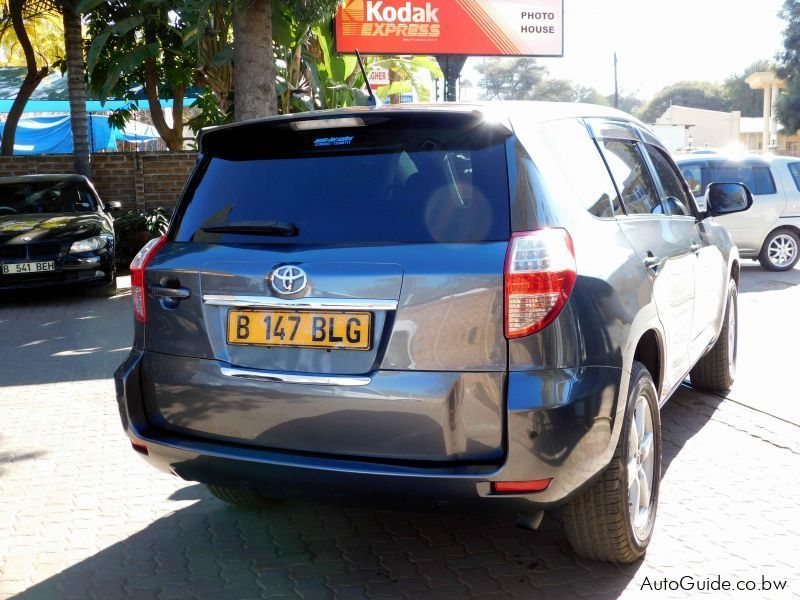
x=254 y=65
x=76 y=87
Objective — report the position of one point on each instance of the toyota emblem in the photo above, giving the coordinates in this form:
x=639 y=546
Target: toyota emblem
x=288 y=279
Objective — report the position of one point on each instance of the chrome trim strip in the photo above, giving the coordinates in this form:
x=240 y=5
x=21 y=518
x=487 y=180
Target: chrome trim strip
x=314 y=303
x=295 y=378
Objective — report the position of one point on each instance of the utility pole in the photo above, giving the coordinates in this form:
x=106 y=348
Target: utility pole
x=616 y=87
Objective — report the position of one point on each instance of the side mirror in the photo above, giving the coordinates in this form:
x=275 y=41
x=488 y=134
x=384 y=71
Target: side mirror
x=112 y=206
x=727 y=198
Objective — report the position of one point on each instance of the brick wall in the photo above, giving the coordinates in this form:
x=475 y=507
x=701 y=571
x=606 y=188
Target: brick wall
x=136 y=179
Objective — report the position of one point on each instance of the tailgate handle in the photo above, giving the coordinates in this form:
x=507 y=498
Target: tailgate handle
x=168 y=293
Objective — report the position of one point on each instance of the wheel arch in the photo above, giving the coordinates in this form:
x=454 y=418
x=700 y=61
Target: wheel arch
x=649 y=351
x=735 y=271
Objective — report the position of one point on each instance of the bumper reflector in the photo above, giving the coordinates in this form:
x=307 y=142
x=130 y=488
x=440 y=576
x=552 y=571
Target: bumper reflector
x=520 y=487
x=140 y=448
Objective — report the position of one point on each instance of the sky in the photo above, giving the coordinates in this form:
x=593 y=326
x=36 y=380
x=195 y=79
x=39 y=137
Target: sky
x=659 y=42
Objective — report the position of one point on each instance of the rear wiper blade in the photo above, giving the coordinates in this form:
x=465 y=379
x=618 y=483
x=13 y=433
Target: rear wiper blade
x=277 y=228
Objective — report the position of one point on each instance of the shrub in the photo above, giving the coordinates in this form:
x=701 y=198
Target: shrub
x=135 y=228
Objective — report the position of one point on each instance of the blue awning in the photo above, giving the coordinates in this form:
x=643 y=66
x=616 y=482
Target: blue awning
x=53 y=135
x=92 y=106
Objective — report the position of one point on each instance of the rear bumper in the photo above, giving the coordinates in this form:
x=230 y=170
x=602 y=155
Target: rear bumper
x=560 y=424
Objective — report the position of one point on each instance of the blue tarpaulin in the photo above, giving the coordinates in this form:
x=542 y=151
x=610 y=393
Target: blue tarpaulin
x=53 y=135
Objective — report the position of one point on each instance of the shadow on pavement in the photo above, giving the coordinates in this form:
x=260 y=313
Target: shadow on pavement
x=61 y=335
x=683 y=417
x=757 y=279
x=317 y=551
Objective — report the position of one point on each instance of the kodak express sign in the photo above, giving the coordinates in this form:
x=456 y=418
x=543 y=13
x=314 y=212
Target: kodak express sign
x=474 y=27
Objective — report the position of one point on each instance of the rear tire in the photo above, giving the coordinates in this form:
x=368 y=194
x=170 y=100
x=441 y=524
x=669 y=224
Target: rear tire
x=241 y=497
x=716 y=370
x=602 y=523
x=781 y=250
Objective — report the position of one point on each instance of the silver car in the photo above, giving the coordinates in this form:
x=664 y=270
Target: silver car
x=770 y=230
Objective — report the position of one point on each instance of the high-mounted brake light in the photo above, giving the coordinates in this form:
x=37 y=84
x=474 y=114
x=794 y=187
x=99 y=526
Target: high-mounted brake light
x=539 y=275
x=311 y=124
x=137 y=276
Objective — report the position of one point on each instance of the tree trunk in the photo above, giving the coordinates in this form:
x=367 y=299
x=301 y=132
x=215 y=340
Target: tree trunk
x=253 y=61
x=172 y=136
x=29 y=84
x=76 y=86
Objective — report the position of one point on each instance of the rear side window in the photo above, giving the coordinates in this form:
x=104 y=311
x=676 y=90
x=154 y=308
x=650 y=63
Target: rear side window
x=757 y=179
x=381 y=182
x=794 y=169
x=631 y=176
x=764 y=182
x=580 y=160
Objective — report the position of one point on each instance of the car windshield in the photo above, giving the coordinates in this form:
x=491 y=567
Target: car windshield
x=40 y=197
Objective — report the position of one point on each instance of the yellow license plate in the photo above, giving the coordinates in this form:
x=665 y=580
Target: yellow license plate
x=300 y=329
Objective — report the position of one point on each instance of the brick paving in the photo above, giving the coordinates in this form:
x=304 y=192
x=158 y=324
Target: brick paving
x=81 y=516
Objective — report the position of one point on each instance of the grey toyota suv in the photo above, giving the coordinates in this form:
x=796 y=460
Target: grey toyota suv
x=450 y=303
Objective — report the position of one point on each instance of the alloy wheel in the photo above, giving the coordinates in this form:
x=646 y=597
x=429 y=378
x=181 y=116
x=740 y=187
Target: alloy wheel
x=640 y=464
x=782 y=250
x=732 y=334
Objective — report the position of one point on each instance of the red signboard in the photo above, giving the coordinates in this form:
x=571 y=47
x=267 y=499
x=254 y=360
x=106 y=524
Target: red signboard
x=471 y=27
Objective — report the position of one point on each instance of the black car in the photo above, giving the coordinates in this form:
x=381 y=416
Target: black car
x=55 y=230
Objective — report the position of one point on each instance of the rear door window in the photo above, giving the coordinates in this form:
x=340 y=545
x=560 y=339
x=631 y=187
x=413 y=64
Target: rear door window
x=382 y=182
x=631 y=175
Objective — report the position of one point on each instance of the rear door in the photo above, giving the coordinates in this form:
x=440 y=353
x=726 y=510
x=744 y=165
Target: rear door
x=663 y=244
x=711 y=272
x=321 y=256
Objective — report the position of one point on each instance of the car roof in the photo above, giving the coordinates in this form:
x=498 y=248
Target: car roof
x=763 y=160
x=49 y=177
x=529 y=111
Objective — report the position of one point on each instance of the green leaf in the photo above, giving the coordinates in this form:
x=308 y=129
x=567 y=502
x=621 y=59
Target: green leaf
x=223 y=57
x=86 y=6
x=127 y=24
x=97 y=46
x=396 y=87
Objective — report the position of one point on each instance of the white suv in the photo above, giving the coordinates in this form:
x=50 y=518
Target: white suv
x=770 y=230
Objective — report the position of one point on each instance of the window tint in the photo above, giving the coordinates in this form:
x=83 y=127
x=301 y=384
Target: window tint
x=416 y=186
x=36 y=197
x=764 y=183
x=576 y=154
x=757 y=179
x=632 y=178
x=670 y=182
x=794 y=169
x=693 y=174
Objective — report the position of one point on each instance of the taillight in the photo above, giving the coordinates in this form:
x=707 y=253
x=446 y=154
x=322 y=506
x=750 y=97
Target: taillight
x=539 y=275
x=138 y=265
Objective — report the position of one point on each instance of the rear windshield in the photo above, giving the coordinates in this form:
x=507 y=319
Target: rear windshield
x=377 y=182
